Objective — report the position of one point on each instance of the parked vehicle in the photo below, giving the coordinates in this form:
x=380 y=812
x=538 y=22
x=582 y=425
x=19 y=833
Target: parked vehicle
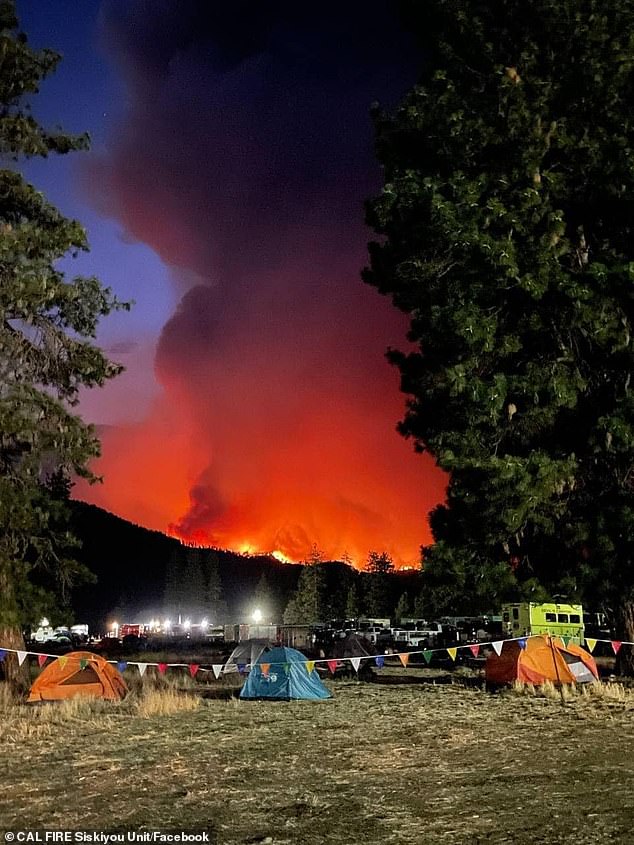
x=418 y=638
x=561 y=620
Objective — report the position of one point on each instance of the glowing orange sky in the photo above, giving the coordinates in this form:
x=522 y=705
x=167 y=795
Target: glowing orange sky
x=241 y=156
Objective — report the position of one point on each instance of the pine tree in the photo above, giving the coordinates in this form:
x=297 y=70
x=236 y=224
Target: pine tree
x=310 y=603
x=353 y=602
x=264 y=598
x=47 y=324
x=506 y=235
x=402 y=609
x=378 y=592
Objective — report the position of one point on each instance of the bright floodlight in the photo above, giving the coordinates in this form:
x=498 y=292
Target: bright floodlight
x=187 y=624
x=114 y=626
x=44 y=622
x=167 y=624
x=257 y=615
x=204 y=623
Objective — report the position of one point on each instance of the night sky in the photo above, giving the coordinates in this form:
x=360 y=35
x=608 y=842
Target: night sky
x=232 y=151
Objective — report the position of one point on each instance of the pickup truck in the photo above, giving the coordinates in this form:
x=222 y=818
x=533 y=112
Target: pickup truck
x=420 y=638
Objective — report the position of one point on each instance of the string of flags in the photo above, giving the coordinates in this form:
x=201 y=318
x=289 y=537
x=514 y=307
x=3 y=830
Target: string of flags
x=217 y=669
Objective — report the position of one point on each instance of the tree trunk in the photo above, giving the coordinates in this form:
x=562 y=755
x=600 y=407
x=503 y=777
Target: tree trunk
x=625 y=632
x=11 y=636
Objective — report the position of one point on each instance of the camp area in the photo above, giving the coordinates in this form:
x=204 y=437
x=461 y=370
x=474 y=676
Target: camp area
x=430 y=760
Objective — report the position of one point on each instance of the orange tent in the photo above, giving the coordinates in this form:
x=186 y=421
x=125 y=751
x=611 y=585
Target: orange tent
x=545 y=658
x=80 y=673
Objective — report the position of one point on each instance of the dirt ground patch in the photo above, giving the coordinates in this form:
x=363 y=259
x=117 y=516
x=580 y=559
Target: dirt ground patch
x=375 y=764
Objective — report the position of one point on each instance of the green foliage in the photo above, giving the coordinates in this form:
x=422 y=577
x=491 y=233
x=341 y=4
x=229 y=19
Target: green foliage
x=505 y=229
x=310 y=603
x=265 y=599
x=402 y=609
x=353 y=602
x=378 y=599
x=47 y=353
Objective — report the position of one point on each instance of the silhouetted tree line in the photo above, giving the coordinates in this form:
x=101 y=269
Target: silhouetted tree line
x=140 y=572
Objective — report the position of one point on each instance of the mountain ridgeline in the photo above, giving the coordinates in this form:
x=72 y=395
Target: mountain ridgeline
x=142 y=574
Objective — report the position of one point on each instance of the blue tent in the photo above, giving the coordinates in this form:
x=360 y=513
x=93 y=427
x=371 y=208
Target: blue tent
x=282 y=674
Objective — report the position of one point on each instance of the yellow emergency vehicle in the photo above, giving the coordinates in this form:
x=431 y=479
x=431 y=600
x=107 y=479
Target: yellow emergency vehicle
x=559 y=620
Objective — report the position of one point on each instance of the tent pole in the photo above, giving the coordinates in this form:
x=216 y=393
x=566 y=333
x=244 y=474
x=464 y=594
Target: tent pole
x=561 y=687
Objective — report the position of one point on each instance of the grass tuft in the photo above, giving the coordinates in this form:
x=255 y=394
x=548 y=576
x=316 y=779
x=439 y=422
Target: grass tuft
x=164 y=702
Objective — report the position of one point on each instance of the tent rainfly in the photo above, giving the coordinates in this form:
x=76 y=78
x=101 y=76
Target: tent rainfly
x=544 y=658
x=78 y=674
x=282 y=674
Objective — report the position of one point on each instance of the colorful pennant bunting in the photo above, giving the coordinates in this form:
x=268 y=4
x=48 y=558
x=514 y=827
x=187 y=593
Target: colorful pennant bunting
x=379 y=660
x=264 y=667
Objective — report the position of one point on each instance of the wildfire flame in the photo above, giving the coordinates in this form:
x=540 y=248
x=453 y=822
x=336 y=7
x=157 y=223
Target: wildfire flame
x=278 y=555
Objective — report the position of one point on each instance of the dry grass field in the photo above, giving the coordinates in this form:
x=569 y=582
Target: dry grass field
x=378 y=763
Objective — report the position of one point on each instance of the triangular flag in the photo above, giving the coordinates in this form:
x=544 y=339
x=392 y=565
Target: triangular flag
x=497 y=647
x=356 y=662
x=286 y=667
x=241 y=668
x=142 y=668
x=63 y=660
x=404 y=658
x=265 y=669
x=310 y=665
x=21 y=657
x=161 y=667
x=616 y=645
x=83 y=663
x=565 y=640
x=380 y=661
x=590 y=644
x=3 y=654
x=474 y=649
x=41 y=659
x=427 y=655
x=522 y=642
x=332 y=665
x=452 y=653
x=121 y=665
x=193 y=668
x=217 y=669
